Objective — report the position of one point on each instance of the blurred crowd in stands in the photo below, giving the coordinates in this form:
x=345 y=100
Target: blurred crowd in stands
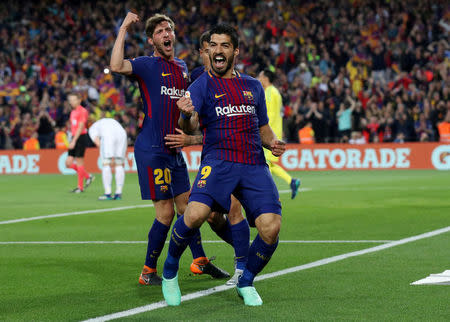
x=352 y=70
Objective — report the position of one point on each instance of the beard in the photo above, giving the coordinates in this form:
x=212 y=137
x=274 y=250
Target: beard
x=160 y=49
x=228 y=66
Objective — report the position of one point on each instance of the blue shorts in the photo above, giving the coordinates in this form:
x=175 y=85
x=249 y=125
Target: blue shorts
x=252 y=185
x=161 y=176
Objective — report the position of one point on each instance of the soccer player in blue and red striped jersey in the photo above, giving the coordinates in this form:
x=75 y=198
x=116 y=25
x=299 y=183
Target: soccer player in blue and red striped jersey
x=232 y=228
x=162 y=172
x=230 y=110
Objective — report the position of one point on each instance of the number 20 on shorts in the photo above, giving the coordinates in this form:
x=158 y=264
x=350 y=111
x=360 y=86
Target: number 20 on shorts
x=162 y=176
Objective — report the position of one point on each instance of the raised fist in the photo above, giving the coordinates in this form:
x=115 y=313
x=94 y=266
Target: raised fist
x=185 y=105
x=129 y=20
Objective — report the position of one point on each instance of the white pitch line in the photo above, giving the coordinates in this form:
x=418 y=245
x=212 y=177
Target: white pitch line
x=125 y=242
x=49 y=242
x=384 y=188
x=221 y=288
x=299 y=190
x=12 y=221
x=333 y=241
x=74 y=213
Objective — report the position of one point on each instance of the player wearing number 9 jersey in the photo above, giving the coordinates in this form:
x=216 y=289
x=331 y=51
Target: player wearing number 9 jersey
x=231 y=140
x=230 y=110
x=162 y=172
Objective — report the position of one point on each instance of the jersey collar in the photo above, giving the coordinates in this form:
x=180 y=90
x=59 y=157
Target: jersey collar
x=235 y=72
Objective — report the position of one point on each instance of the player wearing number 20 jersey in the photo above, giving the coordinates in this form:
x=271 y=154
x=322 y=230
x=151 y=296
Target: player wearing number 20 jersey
x=162 y=172
x=153 y=158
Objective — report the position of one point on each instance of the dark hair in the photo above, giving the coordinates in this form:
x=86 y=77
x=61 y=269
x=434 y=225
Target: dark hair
x=269 y=74
x=152 y=22
x=205 y=37
x=225 y=29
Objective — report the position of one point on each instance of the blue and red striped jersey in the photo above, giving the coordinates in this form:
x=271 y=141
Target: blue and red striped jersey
x=161 y=83
x=231 y=111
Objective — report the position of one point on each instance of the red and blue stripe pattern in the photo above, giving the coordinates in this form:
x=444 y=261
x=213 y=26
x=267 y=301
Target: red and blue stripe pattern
x=176 y=77
x=161 y=84
x=233 y=136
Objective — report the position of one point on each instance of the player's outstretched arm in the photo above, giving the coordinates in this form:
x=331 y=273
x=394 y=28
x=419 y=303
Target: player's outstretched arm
x=117 y=63
x=182 y=139
x=270 y=141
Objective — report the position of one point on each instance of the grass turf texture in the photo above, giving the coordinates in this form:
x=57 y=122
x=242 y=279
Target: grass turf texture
x=75 y=282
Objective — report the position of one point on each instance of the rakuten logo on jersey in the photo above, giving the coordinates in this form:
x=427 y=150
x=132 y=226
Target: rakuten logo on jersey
x=234 y=110
x=174 y=93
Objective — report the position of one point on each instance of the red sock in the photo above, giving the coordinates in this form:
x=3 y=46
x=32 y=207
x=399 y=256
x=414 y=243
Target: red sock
x=74 y=166
x=83 y=172
x=80 y=179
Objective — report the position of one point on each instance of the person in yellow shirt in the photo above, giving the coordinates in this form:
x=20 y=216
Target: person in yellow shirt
x=274 y=103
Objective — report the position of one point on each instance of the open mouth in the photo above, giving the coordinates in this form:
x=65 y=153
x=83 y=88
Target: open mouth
x=167 y=45
x=219 y=61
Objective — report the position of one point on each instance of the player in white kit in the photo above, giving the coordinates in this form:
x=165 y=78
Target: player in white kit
x=111 y=138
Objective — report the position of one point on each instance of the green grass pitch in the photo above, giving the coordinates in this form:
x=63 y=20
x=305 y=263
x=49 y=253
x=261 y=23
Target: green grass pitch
x=73 y=282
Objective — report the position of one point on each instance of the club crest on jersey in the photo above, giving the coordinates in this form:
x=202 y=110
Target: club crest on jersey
x=185 y=75
x=247 y=94
x=201 y=183
x=164 y=188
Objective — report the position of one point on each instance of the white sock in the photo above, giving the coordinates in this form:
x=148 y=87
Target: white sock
x=120 y=178
x=107 y=178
